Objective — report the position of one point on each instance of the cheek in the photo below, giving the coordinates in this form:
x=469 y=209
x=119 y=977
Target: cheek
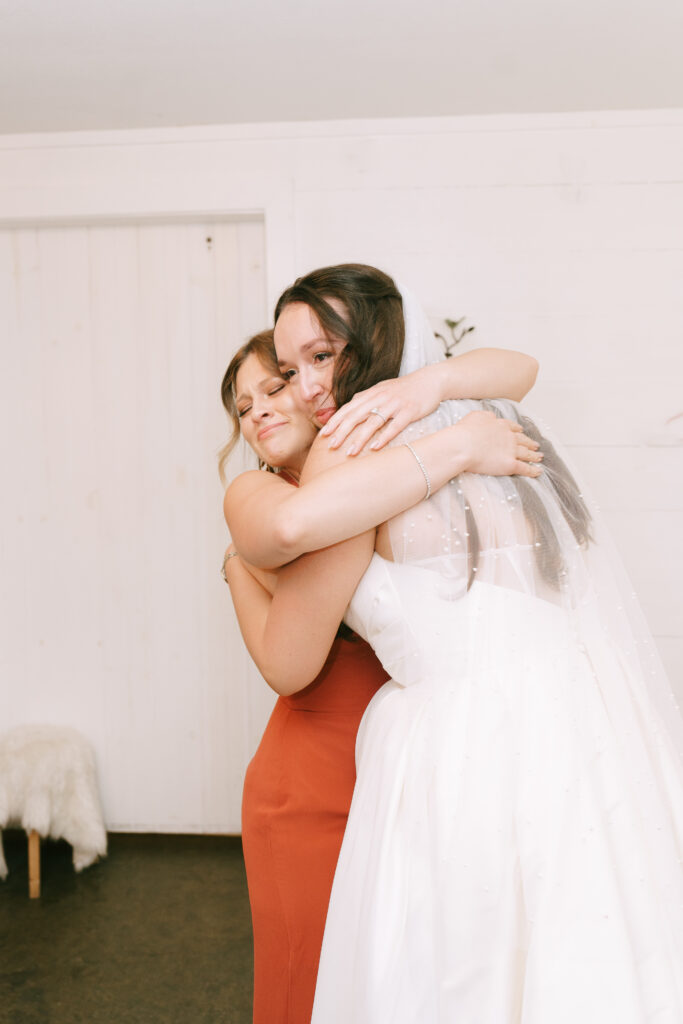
x=337 y=348
x=298 y=404
x=309 y=434
x=328 y=374
x=306 y=431
x=248 y=429
x=290 y=405
x=323 y=376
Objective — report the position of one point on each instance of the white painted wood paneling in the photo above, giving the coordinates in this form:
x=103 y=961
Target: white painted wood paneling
x=115 y=618
x=561 y=235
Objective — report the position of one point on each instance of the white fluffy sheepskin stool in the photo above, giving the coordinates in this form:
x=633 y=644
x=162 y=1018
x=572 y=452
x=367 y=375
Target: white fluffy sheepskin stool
x=48 y=786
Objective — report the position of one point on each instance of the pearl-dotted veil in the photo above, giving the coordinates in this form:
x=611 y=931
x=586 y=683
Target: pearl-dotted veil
x=543 y=539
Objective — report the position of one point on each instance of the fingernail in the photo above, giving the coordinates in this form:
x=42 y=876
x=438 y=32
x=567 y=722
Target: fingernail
x=375 y=445
x=351 y=450
x=332 y=442
x=326 y=429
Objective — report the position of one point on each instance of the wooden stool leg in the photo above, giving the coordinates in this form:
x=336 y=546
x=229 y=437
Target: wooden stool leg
x=34 y=865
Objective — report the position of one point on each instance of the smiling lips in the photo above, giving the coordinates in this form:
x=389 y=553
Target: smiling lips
x=323 y=415
x=265 y=431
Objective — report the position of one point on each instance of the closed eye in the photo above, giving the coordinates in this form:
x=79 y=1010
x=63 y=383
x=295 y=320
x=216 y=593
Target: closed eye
x=278 y=387
x=244 y=411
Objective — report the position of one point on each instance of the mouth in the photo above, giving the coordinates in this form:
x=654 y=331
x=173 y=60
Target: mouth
x=266 y=431
x=321 y=416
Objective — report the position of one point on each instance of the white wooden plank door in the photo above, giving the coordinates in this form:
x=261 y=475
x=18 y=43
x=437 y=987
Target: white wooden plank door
x=114 y=618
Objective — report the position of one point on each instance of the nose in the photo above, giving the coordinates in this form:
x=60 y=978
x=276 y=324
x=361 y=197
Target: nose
x=310 y=386
x=261 y=407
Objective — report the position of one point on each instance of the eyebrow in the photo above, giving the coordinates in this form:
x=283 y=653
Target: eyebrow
x=261 y=384
x=304 y=348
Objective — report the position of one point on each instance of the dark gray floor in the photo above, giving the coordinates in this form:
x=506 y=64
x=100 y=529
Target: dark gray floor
x=157 y=933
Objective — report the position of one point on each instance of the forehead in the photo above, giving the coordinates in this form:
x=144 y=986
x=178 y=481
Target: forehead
x=298 y=329
x=297 y=326
x=252 y=374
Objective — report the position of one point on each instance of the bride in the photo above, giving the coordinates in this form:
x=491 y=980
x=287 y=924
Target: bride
x=513 y=851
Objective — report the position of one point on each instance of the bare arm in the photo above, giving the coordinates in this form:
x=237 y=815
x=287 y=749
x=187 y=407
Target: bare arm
x=489 y=373
x=344 y=497
x=290 y=634
x=484 y=373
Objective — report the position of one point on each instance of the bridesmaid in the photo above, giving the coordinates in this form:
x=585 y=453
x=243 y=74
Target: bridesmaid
x=299 y=784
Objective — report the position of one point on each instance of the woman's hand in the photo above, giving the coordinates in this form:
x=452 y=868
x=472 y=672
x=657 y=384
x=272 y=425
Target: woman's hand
x=385 y=410
x=497 y=447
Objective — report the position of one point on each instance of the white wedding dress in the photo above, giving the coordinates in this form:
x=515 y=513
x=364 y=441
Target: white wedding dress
x=513 y=852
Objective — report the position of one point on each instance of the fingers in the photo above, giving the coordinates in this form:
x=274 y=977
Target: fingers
x=522 y=439
x=528 y=454
x=381 y=402
x=340 y=425
x=366 y=421
x=516 y=428
x=373 y=426
x=380 y=432
x=531 y=469
x=392 y=429
x=368 y=425
x=336 y=425
x=347 y=419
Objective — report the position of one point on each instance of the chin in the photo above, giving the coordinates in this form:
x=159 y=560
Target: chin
x=280 y=458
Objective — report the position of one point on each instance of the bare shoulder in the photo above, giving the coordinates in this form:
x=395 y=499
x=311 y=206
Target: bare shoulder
x=322 y=457
x=248 y=485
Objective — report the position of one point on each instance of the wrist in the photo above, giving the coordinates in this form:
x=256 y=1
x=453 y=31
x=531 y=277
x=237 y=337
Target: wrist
x=459 y=448
x=442 y=376
x=449 y=380
x=446 y=453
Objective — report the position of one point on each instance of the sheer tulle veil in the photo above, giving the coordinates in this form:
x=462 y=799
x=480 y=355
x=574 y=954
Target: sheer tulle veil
x=544 y=539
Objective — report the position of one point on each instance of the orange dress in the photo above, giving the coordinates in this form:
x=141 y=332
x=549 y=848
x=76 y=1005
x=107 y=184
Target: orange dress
x=297 y=795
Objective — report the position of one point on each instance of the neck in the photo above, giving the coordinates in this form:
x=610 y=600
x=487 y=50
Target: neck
x=295 y=464
x=291 y=474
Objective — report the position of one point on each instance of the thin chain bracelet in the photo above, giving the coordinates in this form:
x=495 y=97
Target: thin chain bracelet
x=231 y=554
x=422 y=467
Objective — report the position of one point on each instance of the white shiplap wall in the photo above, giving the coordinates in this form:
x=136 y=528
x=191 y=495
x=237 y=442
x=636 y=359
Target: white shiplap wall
x=562 y=237
x=114 y=617
x=558 y=234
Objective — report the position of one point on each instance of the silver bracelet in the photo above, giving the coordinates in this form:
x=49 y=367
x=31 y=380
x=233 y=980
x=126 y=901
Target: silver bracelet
x=231 y=554
x=422 y=467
